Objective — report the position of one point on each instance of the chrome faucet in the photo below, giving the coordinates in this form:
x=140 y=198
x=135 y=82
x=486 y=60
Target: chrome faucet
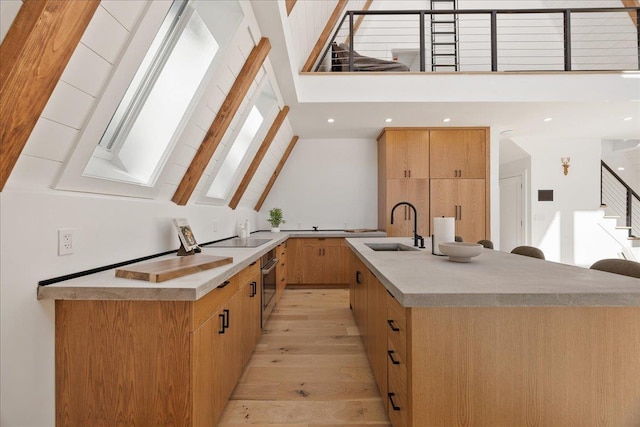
x=416 y=237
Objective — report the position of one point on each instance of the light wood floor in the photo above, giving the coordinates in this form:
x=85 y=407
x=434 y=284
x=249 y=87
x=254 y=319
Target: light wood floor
x=308 y=369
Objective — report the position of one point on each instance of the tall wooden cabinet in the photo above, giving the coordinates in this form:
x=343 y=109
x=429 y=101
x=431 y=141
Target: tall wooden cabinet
x=403 y=176
x=442 y=172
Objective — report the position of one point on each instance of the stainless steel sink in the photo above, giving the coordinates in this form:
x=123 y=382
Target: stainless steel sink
x=390 y=247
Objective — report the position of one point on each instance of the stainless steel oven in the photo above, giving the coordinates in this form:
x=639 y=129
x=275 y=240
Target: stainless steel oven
x=268 y=264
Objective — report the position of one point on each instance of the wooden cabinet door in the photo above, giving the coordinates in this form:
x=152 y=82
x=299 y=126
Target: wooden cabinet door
x=312 y=265
x=417 y=153
x=396 y=150
x=457 y=153
x=418 y=196
x=407 y=153
x=398 y=191
x=470 y=224
x=359 y=286
x=295 y=258
x=444 y=198
x=209 y=361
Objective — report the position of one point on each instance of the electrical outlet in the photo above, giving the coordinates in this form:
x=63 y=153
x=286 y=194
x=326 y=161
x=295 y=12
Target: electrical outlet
x=65 y=241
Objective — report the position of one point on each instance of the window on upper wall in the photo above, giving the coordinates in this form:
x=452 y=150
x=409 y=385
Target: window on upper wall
x=256 y=121
x=136 y=139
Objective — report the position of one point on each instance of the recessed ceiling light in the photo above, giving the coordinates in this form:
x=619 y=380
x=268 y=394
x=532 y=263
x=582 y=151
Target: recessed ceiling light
x=620 y=168
x=548 y=119
x=388 y=120
x=628 y=118
x=447 y=120
x=330 y=120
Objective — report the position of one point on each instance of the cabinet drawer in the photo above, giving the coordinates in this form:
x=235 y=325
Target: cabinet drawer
x=323 y=241
x=397 y=398
x=396 y=356
x=249 y=274
x=206 y=306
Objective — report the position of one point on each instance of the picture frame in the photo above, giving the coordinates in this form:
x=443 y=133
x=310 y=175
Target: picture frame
x=185 y=234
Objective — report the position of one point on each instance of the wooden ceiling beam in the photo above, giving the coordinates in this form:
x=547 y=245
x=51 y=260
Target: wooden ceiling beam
x=257 y=159
x=222 y=121
x=358 y=22
x=289 y=4
x=33 y=55
x=276 y=172
x=324 y=36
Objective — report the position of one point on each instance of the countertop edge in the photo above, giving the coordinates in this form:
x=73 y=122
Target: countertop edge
x=159 y=292
x=479 y=299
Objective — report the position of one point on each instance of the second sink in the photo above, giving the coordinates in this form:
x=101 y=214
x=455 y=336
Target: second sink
x=390 y=247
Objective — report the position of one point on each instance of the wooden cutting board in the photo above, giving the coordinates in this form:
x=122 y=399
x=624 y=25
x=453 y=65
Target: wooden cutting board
x=166 y=269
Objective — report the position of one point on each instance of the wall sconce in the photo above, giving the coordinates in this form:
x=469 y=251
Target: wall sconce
x=565 y=164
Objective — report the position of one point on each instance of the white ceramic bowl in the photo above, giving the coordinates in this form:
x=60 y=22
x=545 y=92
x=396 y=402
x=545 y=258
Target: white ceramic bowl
x=460 y=251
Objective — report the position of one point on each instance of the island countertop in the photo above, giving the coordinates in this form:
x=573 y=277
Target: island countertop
x=420 y=279
x=106 y=286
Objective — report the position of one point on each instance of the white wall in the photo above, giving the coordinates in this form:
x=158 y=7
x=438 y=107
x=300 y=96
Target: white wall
x=628 y=159
x=108 y=229
x=552 y=225
x=330 y=183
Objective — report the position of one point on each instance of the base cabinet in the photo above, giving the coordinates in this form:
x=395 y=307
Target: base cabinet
x=318 y=261
x=148 y=363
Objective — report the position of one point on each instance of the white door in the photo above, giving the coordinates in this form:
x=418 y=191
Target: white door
x=511 y=213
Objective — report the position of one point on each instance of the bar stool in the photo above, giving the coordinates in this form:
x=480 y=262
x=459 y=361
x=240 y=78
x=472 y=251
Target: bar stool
x=624 y=267
x=530 y=251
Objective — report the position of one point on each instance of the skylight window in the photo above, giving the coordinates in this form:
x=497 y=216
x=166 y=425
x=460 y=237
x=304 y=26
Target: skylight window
x=222 y=182
x=226 y=172
x=148 y=120
x=150 y=97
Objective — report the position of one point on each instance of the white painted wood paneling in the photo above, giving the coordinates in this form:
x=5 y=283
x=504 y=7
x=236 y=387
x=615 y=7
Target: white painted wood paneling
x=95 y=37
x=32 y=173
x=126 y=12
x=68 y=105
x=87 y=71
x=50 y=140
x=8 y=11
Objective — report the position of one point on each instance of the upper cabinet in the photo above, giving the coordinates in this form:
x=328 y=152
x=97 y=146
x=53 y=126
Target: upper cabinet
x=407 y=153
x=458 y=153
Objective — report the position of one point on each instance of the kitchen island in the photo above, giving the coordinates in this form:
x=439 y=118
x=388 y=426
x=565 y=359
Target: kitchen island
x=501 y=341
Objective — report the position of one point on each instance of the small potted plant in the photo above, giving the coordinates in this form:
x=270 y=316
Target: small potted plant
x=275 y=219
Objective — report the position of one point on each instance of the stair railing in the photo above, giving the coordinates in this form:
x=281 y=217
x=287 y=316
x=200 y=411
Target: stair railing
x=617 y=194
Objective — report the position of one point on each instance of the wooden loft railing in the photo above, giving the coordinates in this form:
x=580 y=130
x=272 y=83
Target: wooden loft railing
x=578 y=39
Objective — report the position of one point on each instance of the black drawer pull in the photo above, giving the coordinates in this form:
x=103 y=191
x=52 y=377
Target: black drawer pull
x=226 y=320
x=358 y=281
x=282 y=280
x=221 y=331
x=393 y=404
x=224 y=284
x=253 y=289
x=393 y=327
x=253 y=263
x=394 y=361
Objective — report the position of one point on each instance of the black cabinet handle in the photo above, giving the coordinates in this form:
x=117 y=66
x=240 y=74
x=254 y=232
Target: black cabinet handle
x=224 y=284
x=282 y=279
x=226 y=320
x=253 y=289
x=222 y=327
x=394 y=361
x=358 y=273
x=393 y=327
x=253 y=263
x=393 y=404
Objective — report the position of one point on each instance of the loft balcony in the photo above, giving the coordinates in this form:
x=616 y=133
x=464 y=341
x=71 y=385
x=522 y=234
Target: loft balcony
x=496 y=40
